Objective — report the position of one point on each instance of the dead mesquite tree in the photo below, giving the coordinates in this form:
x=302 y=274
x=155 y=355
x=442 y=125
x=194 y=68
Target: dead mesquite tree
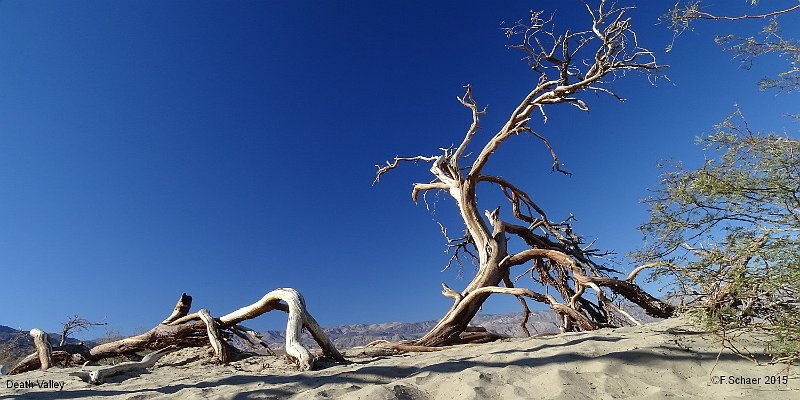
x=182 y=329
x=569 y=65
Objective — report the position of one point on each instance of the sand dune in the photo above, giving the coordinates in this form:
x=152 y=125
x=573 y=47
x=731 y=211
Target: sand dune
x=664 y=360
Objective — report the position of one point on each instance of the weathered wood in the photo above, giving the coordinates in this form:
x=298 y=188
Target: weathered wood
x=69 y=355
x=252 y=338
x=100 y=375
x=575 y=63
x=297 y=319
x=43 y=348
x=181 y=309
x=199 y=329
x=328 y=348
x=191 y=334
x=214 y=336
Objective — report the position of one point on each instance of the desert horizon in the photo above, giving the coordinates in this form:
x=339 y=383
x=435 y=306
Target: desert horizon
x=662 y=359
x=630 y=167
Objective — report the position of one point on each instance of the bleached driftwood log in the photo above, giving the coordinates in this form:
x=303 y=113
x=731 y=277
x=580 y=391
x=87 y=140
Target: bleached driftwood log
x=214 y=336
x=100 y=375
x=298 y=318
x=43 y=348
x=193 y=330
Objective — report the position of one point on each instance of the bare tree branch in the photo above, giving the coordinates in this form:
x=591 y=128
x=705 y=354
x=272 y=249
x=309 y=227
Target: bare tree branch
x=382 y=169
x=570 y=65
x=76 y=323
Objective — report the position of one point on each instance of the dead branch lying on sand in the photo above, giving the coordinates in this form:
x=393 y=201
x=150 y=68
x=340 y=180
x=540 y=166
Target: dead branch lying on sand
x=99 y=375
x=182 y=329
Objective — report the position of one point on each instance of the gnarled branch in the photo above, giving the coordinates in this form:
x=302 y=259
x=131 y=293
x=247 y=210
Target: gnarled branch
x=43 y=348
x=200 y=329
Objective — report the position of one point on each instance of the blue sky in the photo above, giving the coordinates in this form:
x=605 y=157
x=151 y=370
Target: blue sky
x=224 y=149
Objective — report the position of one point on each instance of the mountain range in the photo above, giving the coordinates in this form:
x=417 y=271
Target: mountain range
x=349 y=336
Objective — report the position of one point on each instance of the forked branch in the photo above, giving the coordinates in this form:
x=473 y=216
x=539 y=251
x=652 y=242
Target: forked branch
x=570 y=66
x=198 y=329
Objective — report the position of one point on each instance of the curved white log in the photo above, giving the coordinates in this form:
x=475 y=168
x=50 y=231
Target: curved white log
x=99 y=376
x=294 y=327
x=298 y=318
x=43 y=348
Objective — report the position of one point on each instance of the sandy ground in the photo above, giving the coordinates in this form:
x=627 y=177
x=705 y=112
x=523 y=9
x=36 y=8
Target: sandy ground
x=664 y=360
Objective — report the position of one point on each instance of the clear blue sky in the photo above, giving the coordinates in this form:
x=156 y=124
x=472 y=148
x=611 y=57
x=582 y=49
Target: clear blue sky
x=224 y=149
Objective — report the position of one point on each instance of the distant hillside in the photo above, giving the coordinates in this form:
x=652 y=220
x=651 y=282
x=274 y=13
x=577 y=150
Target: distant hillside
x=348 y=336
x=15 y=344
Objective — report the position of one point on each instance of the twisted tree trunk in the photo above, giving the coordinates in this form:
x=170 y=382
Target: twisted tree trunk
x=489 y=274
x=569 y=65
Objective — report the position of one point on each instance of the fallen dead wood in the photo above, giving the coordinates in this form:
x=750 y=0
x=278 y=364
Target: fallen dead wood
x=71 y=354
x=44 y=350
x=181 y=329
x=181 y=309
x=214 y=336
x=100 y=375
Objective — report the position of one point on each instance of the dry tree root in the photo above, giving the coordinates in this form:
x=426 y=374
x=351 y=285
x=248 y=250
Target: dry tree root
x=472 y=335
x=182 y=329
x=100 y=375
